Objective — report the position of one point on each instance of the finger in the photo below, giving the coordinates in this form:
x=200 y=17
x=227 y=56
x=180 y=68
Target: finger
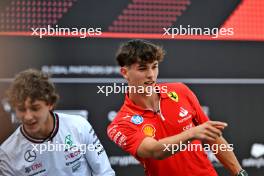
x=214 y=130
x=211 y=135
x=208 y=138
x=220 y=127
x=218 y=123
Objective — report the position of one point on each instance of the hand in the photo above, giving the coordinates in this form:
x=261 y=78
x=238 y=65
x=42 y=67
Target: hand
x=208 y=131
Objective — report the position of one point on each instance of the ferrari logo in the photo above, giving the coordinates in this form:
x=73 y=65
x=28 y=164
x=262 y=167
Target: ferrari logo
x=174 y=96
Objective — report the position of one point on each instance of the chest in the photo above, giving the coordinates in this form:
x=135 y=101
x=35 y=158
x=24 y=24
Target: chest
x=63 y=154
x=173 y=118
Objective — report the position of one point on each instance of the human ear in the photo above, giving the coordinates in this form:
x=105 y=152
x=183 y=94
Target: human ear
x=123 y=71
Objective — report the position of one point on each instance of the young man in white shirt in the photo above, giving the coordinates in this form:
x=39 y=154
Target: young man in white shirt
x=48 y=143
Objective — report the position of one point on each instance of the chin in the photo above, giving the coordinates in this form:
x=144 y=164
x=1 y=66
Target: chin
x=32 y=129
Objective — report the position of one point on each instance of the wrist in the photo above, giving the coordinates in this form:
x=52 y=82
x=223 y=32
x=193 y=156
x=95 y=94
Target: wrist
x=190 y=134
x=242 y=172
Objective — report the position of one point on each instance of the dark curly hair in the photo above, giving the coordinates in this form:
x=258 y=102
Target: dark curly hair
x=32 y=84
x=139 y=50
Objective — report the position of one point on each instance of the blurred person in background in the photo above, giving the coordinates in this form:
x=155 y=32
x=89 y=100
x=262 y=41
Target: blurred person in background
x=33 y=97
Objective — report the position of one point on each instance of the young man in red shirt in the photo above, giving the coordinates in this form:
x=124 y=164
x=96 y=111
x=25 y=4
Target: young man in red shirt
x=154 y=123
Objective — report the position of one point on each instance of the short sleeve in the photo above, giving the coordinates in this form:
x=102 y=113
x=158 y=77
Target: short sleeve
x=126 y=135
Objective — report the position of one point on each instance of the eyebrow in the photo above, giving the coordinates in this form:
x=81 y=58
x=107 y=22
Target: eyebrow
x=145 y=65
x=142 y=65
x=20 y=107
x=35 y=105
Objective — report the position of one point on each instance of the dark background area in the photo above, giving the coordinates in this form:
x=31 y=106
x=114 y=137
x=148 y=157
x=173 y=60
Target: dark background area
x=238 y=104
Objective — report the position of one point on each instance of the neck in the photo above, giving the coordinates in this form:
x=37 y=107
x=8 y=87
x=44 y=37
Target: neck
x=144 y=101
x=47 y=127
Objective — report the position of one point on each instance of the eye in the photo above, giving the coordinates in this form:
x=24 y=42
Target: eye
x=142 y=68
x=35 y=108
x=155 y=66
x=21 y=109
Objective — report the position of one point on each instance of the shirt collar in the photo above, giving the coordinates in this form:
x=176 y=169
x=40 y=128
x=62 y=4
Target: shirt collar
x=131 y=107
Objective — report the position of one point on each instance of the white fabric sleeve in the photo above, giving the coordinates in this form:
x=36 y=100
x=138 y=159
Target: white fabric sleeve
x=95 y=153
x=5 y=167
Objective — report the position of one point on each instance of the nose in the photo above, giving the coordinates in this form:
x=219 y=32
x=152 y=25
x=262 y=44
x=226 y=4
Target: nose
x=27 y=116
x=150 y=74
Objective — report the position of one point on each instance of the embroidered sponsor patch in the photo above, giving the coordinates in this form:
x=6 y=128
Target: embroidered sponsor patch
x=137 y=119
x=149 y=130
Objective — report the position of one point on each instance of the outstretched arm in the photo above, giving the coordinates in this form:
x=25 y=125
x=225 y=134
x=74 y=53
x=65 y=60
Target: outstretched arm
x=163 y=148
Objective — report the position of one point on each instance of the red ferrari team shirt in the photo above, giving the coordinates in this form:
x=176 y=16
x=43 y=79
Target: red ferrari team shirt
x=179 y=110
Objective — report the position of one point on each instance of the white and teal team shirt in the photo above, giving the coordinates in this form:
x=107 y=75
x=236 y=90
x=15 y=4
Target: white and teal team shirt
x=74 y=150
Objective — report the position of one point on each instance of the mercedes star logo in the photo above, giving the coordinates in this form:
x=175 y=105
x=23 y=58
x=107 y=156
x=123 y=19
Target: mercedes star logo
x=30 y=155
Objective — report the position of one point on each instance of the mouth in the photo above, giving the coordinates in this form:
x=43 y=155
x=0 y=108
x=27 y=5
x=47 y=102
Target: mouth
x=30 y=125
x=148 y=83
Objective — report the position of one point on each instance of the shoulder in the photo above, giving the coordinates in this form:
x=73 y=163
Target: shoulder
x=72 y=120
x=177 y=89
x=176 y=86
x=124 y=117
x=125 y=126
x=12 y=143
